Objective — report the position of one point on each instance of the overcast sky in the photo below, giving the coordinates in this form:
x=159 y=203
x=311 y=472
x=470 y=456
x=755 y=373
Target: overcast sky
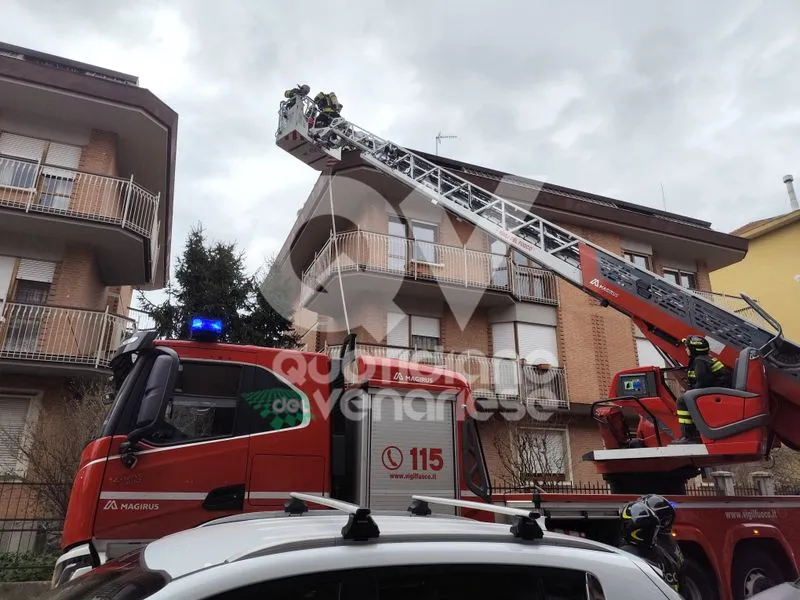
x=612 y=97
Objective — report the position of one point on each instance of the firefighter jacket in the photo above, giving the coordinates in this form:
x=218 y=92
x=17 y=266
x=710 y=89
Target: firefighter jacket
x=705 y=371
x=670 y=559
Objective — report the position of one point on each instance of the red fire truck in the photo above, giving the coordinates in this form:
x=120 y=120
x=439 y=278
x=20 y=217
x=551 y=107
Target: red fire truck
x=262 y=422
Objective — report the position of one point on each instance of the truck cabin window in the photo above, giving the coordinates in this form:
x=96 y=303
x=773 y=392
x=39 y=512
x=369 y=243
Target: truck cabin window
x=203 y=405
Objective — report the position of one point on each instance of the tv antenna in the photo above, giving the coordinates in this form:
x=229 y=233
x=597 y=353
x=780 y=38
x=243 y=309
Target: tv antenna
x=440 y=137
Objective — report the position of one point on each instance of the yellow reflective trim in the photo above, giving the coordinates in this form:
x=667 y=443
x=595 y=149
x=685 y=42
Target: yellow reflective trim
x=635 y=535
x=685 y=421
x=716 y=366
x=684 y=413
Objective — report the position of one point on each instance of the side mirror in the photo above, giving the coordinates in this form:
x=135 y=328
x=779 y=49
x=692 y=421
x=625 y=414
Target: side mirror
x=158 y=389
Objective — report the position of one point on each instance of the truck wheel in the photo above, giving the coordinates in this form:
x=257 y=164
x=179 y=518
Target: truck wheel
x=697 y=584
x=753 y=571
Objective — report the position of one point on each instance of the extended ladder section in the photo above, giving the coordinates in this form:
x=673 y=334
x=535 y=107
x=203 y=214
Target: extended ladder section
x=667 y=310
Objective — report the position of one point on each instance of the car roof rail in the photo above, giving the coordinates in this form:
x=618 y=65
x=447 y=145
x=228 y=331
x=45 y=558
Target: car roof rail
x=360 y=526
x=524 y=527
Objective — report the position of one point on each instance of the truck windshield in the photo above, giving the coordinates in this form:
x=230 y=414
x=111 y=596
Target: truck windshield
x=121 y=579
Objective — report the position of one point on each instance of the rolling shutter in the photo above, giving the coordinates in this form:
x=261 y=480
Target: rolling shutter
x=20 y=146
x=397 y=330
x=538 y=343
x=504 y=369
x=503 y=343
x=425 y=326
x=13 y=416
x=62 y=155
x=648 y=355
x=36 y=270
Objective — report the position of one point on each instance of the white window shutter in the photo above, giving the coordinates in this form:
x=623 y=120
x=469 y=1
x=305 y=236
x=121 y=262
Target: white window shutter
x=14 y=416
x=538 y=343
x=397 y=330
x=19 y=146
x=36 y=270
x=503 y=343
x=648 y=355
x=504 y=368
x=62 y=155
x=425 y=326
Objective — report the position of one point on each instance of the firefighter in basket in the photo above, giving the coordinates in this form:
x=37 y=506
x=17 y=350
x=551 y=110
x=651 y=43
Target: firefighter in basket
x=704 y=371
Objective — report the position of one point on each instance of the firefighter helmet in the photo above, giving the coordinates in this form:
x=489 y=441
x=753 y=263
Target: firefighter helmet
x=662 y=508
x=696 y=344
x=639 y=524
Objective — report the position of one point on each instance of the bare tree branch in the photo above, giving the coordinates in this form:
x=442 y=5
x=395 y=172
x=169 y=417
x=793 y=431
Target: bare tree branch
x=530 y=455
x=52 y=448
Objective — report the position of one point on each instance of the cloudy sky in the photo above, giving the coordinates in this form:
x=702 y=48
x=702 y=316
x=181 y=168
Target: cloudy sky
x=614 y=97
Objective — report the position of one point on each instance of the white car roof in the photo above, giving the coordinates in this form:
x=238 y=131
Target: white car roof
x=216 y=543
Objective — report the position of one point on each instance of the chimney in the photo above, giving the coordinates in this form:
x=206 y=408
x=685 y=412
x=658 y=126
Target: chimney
x=788 y=179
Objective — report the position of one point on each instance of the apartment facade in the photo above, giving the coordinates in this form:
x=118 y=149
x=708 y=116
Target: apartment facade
x=87 y=162
x=770 y=272
x=414 y=282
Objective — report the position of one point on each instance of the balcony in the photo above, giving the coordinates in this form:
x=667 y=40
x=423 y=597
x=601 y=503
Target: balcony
x=387 y=255
x=33 y=337
x=490 y=377
x=115 y=215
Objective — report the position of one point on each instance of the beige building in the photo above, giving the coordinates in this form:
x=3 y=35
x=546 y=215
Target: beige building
x=87 y=161
x=420 y=283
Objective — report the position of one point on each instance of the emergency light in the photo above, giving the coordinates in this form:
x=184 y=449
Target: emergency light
x=205 y=329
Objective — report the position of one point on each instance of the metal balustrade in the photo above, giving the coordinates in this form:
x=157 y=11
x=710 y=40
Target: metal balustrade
x=489 y=376
x=382 y=253
x=35 y=187
x=736 y=305
x=61 y=335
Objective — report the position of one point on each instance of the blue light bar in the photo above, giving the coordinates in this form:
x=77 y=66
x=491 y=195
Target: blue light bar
x=206 y=326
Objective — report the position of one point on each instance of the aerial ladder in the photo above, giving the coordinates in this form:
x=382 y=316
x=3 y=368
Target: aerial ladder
x=737 y=424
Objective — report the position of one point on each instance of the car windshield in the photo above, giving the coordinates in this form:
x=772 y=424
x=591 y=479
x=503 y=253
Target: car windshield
x=121 y=579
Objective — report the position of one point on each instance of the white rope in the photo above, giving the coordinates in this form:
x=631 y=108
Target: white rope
x=336 y=250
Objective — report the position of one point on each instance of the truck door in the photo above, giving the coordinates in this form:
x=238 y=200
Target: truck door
x=191 y=469
x=406 y=444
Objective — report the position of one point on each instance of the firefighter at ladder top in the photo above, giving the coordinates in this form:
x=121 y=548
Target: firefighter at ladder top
x=704 y=371
x=329 y=108
x=671 y=557
x=295 y=93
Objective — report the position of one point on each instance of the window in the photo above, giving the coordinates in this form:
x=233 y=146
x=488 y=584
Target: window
x=398 y=244
x=682 y=278
x=14 y=410
x=424 y=240
x=203 y=405
x=499 y=252
x=415 y=332
x=640 y=260
x=22 y=157
x=542 y=452
x=465 y=581
x=19 y=160
x=648 y=354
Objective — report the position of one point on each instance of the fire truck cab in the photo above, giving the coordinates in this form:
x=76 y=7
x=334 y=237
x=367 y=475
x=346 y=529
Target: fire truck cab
x=200 y=430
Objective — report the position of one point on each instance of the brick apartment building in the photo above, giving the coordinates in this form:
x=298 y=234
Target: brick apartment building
x=419 y=283
x=87 y=162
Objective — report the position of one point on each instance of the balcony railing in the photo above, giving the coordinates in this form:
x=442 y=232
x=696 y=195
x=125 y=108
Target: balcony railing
x=35 y=187
x=489 y=376
x=736 y=305
x=381 y=253
x=53 y=334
